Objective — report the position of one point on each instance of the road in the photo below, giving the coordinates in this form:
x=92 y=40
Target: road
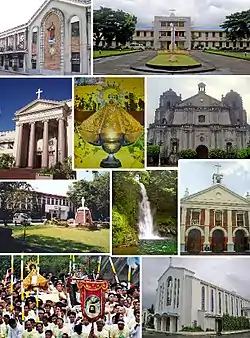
x=120 y=65
x=157 y=335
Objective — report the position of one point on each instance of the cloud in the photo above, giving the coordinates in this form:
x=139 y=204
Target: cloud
x=231 y=273
x=209 y=13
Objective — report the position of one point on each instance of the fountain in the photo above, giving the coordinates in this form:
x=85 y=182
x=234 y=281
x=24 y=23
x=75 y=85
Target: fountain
x=146 y=223
x=83 y=214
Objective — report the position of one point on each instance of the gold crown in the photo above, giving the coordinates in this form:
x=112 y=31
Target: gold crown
x=29 y=265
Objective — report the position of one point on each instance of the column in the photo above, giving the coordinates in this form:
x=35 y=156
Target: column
x=45 y=144
x=31 y=145
x=183 y=229
x=61 y=140
x=230 y=244
x=84 y=42
x=206 y=232
x=162 y=324
x=19 y=146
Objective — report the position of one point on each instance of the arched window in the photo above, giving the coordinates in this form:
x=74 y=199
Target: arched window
x=175 y=291
x=229 y=146
x=203 y=298
x=226 y=301
x=232 y=306
x=178 y=292
x=212 y=300
x=219 y=303
x=237 y=309
x=201 y=118
x=169 y=290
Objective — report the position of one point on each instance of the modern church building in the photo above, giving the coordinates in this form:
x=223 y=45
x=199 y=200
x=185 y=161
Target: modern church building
x=55 y=41
x=184 y=300
x=214 y=220
x=43 y=134
x=199 y=122
x=187 y=36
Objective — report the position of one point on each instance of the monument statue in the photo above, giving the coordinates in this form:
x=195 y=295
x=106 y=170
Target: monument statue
x=51 y=30
x=83 y=202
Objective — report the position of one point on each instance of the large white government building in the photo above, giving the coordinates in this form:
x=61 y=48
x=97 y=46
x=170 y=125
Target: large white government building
x=186 y=35
x=42 y=135
x=199 y=122
x=215 y=219
x=56 y=40
x=184 y=300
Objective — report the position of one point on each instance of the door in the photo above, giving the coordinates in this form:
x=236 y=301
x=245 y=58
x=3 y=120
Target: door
x=218 y=241
x=194 y=241
x=239 y=242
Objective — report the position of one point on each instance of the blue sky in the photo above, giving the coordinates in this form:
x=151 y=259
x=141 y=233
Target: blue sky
x=15 y=93
x=197 y=175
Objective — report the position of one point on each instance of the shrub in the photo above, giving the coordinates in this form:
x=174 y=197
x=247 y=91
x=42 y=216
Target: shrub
x=188 y=153
x=217 y=153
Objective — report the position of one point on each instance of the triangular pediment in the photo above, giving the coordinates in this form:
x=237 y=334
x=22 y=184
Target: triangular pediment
x=38 y=105
x=200 y=100
x=217 y=194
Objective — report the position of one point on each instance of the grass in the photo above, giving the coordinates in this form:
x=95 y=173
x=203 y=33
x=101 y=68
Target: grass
x=180 y=60
x=57 y=239
x=112 y=52
x=237 y=55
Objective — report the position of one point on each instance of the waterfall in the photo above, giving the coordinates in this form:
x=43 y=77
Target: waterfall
x=146 y=223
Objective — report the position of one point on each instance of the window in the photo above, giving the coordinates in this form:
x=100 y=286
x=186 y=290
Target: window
x=52 y=201
x=75 y=62
x=226 y=301
x=137 y=33
x=152 y=34
x=48 y=200
x=163 y=33
x=163 y=23
x=229 y=146
x=201 y=118
x=34 y=38
x=212 y=301
x=175 y=289
x=178 y=292
x=199 y=34
x=220 y=34
x=213 y=34
x=145 y=33
x=240 y=220
x=181 y=24
x=237 y=310
x=218 y=218
x=195 y=219
x=219 y=303
x=75 y=31
x=206 y=35
x=169 y=290
x=203 y=298
x=232 y=306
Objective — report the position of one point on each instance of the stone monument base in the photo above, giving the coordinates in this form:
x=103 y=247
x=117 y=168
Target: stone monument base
x=82 y=217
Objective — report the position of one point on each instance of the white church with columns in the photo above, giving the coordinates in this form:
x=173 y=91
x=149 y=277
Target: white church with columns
x=214 y=220
x=184 y=300
x=43 y=134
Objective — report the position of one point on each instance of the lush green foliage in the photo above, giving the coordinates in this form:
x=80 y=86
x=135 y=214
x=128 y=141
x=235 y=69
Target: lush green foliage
x=237 y=25
x=96 y=194
x=231 y=323
x=153 y=154
x=188 y=153
x=161 y=189
x=158 y=247
x=217 y=153
x=61 y=170
x=6 y=161
x=191 y=329
x=110 y=24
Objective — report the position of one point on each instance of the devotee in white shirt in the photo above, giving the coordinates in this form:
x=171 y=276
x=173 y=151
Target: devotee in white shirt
x=15 y=329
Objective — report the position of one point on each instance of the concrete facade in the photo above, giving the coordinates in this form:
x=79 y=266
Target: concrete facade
x=55 y=41
x=182 y=299
x=200 y=122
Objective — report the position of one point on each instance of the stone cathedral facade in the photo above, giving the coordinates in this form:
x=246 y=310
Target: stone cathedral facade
x=199 y=122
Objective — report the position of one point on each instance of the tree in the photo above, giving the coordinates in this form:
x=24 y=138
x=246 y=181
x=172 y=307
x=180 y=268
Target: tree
x=237 y=25
x=112 y=25
x=14 y=194
x=96 y=194
x=6 y=161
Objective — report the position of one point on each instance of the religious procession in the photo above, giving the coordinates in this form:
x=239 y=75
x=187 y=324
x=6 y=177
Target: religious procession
x=70 y=296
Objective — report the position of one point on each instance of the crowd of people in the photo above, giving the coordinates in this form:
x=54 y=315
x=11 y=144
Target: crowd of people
x=50 y=313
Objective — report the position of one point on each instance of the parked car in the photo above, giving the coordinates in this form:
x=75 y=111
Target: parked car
x=137 y=46
x=21 y=218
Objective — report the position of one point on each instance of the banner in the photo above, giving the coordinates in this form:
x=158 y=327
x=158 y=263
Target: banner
x=92 y=295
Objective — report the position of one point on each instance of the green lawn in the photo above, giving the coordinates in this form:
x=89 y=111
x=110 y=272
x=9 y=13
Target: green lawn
x=237 y=55
x=112 y=52
x=59 y=239
x=180 y=60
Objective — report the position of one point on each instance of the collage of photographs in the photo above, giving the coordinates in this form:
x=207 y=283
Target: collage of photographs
x=124 y=168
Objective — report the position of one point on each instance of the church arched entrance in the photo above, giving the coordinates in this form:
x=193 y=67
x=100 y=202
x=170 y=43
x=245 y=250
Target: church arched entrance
x=202 y=151
x=194 y=241
x=240 y=241
x=218 y=241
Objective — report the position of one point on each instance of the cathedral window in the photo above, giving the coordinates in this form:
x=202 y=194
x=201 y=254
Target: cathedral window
x=178 y=292
x=237 y=309
x=219 y=303
x=218 y=218
x=240 y=220
x=229 y=146
x=212 y=300
x=175 y=289
x=203 y=298
x=169 y=290
x=226 y=301
x=195 y=218
x=201 y=118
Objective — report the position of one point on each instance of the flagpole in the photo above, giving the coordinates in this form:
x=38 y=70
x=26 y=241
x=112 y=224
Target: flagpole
x=113 y=269
x=99 y=266
x=37 y=303
x=11 y=282
x=74 y=264
x=129 y=276
x=22 y=288
x=70 y=264
x=38 y=264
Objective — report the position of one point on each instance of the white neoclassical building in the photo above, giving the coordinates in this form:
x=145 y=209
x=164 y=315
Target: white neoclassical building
x=184 y=300
x=215 y=219
x=56 y=40
x=199 y=122
x=43 y=134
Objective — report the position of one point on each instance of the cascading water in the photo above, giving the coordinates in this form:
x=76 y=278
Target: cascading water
x=146 y=224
